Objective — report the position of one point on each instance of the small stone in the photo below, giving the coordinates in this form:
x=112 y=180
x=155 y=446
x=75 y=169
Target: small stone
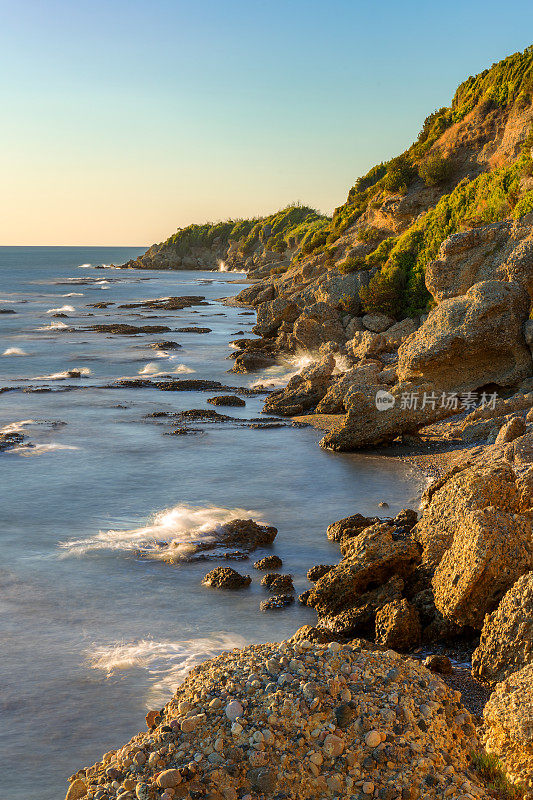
x=372 y=739
x=334 y=647
x=236 y=728
x=234 y=710
x=439 y=664
x=76 y=790
x=368 y=787
x=168 y=778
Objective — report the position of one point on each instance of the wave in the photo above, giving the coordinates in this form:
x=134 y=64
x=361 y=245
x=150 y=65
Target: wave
x=75 y=372
x=172 y=534
x=72 y=294
x=84 y=266
x=17 y=427
x=281 y=374
x=61 y=310
x=40 y=449
x=14 y=351
x=167 y=661
x=54 y=326
x=153 y=369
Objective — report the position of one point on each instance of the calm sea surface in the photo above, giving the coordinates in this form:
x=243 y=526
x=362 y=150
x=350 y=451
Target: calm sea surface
x=90 y=634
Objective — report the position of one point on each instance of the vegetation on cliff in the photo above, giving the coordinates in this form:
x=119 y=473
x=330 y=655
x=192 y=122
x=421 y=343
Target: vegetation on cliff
x=285 y=229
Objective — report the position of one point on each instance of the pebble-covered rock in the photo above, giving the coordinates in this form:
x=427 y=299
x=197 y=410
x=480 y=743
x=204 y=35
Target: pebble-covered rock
x=299 y=721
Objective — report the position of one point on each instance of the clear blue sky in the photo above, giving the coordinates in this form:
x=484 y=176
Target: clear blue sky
x=124 y=119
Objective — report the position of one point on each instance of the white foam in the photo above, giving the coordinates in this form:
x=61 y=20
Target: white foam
x=84 y=266
x=72 y=294
x=281 y=374
x=62 y=376
x=61 y=310
x=54 y=326
x=14 y=351
x=171 y=534
x=40 y=449
x=153 y=370
x=16 y=427
x=167 y=662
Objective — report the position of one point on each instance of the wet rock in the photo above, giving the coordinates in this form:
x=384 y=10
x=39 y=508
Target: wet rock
x=398 y=626
x=506 y=643
x=169 y=303
x=439 y=664
x=268 y=562
x=277 y=601
x=275 y=582
x=304 y=391
x=121 y=329
x=165 y=344
x=318 y=571
x=226 y=400
x=10 y=440
x=190 y=329
x=226 y=578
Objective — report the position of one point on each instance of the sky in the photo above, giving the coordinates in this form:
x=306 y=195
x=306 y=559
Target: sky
x=123 y=120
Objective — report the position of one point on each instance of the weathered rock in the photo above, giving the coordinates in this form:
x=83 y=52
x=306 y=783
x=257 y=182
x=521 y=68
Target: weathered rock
x=471 y=341
x=508 y=726
x=398 y=333
x=398 y=625
x=226 y=578
x=308 y=633
x=277 y=583
x=439 y=663
x=372 y=558
x=366 y=344
x=76 y=790
x=378 y=323
x=304 y=391
x=169 y=303
x=511 y=430
x=316 y=325
x=348 y=527
x=490 y=549
x=354 y=379
x=121 y=329
x=268 y=562
x=318 y=571
x=503 y=250
x=226 y=400
x=506 y=643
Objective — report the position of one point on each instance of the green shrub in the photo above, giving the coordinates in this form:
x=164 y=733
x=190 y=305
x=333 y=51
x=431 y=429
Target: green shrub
x=368 y=235
x=491 y=773
x=352 y=265
x=435 y=169
x=383 y=294
x=524 y=206
x=400 y=173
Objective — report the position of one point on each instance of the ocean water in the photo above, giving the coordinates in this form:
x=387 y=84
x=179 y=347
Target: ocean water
x=92 y=635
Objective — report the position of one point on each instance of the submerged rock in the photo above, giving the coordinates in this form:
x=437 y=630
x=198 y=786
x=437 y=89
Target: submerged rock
x=121 y=329
x=169 y=303
x=277 y=601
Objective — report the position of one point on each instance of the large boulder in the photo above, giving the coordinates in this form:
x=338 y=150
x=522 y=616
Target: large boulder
x=371 y=559
x=226 y=578
x=316 y=325
x=471 y=341
x=503 y=250
x=508 y=724
x=507 y=637
x=355 y=379
x=451 y=504
x=490 y=549
x=379 y=414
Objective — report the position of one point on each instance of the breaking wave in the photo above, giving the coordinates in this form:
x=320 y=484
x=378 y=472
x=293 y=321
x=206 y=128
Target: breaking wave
x=75 y=372
x=154 y=370
x=14 y=351
x=167 y=662
x=61 y=310
x=174 y=532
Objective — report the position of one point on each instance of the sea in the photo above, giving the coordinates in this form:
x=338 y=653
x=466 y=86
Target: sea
x=92 y=633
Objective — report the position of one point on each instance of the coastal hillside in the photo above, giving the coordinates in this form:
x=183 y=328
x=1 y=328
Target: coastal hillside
x=270 y=242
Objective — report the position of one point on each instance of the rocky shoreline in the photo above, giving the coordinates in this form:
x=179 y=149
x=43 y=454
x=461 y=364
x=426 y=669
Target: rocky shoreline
x=407 y=320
